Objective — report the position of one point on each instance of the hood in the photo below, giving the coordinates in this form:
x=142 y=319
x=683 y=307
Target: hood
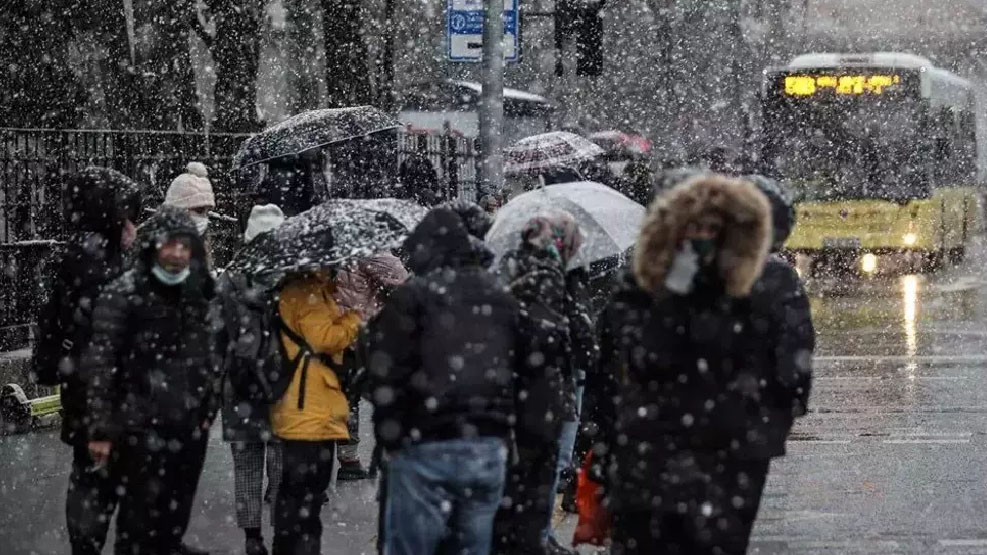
x=477 y=221
x=100 y=199
x=782 y=209
x=746 y=232
x=442 y=240
x=167 y=222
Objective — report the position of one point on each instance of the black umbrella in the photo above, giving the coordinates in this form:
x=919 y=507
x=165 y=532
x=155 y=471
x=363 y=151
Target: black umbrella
x=312 y=129
x=329 y=234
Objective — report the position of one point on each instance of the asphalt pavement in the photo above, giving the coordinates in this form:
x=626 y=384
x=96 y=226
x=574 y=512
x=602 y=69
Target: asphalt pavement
x=890 y=459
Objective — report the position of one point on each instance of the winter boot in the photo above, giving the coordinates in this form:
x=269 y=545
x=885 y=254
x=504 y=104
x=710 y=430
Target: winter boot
x=351 y=470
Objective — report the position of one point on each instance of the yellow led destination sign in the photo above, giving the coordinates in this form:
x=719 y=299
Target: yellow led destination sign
x=810 y=85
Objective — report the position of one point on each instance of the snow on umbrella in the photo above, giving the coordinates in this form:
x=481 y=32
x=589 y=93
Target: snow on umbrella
x=558 y=149
x=312 y=129
x=329 y=234
x=608 y=220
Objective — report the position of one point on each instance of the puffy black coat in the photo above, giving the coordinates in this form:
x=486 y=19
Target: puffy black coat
x=442 y=352
x=782 y=320
x=681 y=375
x=546 y=395
x=151 y=364
x=98 y=201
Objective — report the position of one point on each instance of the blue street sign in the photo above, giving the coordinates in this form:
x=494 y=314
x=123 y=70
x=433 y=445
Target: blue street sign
x=464 y=30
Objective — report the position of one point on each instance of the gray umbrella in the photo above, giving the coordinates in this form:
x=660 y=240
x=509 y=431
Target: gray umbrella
x=312 y=129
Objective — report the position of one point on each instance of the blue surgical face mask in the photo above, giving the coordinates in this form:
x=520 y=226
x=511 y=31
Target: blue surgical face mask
x=170 y=278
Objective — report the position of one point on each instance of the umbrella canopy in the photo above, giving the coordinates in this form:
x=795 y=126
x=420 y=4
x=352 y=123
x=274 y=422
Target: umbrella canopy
x=312 y=129
x=329 y=234
x=558 y=149
x=608 y=220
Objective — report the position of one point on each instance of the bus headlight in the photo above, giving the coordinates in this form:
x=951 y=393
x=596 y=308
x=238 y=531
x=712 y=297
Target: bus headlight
x=909 y=239
x=868 y=263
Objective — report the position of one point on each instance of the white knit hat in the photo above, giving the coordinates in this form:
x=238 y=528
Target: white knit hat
x=191 y=189
x=263 y=218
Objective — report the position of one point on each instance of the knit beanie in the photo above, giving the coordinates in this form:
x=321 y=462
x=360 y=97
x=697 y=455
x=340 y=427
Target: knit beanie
x=263 y=218
x=191 y=189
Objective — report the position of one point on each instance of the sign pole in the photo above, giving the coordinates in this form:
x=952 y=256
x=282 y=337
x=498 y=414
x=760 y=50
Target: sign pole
x=491 y=113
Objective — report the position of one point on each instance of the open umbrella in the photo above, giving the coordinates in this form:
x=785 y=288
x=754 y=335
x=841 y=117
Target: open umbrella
x=608 y=220
x=538 y=153
x=312 y=129
x=328 y=235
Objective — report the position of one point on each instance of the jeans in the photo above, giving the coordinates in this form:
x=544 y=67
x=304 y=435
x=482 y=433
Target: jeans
x=567 y=442
x=305 y=476
x=442 y=497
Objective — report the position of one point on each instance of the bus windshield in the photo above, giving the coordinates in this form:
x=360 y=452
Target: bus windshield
x=848 y=149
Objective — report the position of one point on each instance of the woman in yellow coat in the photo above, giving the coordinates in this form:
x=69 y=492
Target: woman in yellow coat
x=311 y=416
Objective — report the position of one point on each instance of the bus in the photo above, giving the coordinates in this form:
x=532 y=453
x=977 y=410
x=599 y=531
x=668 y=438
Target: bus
x=880 y=151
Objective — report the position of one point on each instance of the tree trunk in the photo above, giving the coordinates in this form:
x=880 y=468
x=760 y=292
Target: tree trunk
x=347 y=71
x=167 y=82
x=235 y=51
x=39 y=88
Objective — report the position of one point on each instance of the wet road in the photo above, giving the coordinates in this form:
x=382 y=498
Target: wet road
x=890 y=460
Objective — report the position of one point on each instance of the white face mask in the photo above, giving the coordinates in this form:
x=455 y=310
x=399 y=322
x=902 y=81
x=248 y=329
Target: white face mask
x=201 y=223
x=683 y=270
x=170 y=278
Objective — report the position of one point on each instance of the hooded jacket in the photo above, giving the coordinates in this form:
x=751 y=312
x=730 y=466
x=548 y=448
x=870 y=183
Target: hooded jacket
x=98 y=202
x=680 y=375
x=442 y=352
x=151 y=364
x=314 y=407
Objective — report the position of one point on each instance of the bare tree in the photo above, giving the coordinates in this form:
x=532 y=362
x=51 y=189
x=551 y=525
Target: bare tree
x=235 y=49
x=347 y=72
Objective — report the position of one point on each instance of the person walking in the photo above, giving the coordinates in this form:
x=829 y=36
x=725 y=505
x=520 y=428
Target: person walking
x=101 y=208
x=442 y=354
x=246 y=301
x=152 y=383
x=535 y=273
x=782 y=315
x=681 y=378
x=311 y=417
x=192 y=191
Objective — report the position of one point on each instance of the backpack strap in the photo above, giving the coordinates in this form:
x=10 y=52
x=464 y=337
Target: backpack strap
x=304 y=354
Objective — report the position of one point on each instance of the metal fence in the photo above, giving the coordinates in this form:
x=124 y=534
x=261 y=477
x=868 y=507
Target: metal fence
x=35 y=162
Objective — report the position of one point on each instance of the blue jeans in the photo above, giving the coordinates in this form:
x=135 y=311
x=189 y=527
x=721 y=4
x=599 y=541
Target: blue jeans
x=442 y=496
x=567 y=442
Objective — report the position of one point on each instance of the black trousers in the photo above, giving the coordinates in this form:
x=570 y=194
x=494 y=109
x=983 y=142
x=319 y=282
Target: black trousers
x=526 y=512
x=160 y=473
x=305 y=477
x=725 y=531
x=90 y=502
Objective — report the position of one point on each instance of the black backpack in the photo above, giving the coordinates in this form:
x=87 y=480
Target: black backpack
x=254 y=361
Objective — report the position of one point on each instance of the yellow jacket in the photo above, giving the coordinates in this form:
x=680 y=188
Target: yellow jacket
x=308 y=309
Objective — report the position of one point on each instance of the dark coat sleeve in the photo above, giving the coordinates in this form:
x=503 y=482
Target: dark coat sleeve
x=101 y=362
x=393 y=356
x=797 y=339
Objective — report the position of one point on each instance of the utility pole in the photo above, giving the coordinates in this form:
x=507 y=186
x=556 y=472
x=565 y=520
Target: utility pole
x=492 y=99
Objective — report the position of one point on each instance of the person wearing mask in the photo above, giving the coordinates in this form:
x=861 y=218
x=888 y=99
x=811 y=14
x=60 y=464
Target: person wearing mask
x=535 y=274
x=679 y=386
x=362 y=287
x=101 y=207
x=441 y=360
x=311 y=417
x=152 y=380
x=246 y=414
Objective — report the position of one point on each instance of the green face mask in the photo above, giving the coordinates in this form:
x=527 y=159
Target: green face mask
x=704 y=248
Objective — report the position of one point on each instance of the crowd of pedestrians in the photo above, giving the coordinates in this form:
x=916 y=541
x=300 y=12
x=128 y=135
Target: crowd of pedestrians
x=491 y=381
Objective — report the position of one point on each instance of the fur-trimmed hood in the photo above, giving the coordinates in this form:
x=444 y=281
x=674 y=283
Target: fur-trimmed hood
x=746 y=235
